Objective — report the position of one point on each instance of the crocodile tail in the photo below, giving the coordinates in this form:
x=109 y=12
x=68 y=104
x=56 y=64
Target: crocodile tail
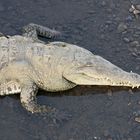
x=41 y=30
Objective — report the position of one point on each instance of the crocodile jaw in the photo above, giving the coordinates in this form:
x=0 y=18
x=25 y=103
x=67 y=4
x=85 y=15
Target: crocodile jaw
x=123 y=79
x=127 y=80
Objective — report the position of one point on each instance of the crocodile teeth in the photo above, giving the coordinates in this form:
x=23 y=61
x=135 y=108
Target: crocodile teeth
x=107 y=78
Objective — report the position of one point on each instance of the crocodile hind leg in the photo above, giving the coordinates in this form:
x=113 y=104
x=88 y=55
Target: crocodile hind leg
x=29 y=101
x=34 y=30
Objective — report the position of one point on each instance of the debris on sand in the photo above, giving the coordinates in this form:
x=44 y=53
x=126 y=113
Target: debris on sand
x=135 y=10
x=122 y=27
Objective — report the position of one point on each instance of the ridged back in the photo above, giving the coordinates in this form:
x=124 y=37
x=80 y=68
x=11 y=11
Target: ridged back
x=12 y=49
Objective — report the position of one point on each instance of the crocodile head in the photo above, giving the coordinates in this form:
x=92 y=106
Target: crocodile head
x=101 y=72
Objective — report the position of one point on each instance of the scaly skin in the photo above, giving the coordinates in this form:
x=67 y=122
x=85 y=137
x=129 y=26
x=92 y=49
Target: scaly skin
x=27 y=64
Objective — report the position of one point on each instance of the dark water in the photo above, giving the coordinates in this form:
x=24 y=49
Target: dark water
x=98 y=113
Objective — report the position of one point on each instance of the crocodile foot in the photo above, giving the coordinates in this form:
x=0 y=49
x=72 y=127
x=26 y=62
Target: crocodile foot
x=59 y=116
x=54 y=115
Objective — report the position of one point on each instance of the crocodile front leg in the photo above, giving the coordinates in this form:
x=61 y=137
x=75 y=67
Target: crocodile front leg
x=33 y=30
x=29 y=101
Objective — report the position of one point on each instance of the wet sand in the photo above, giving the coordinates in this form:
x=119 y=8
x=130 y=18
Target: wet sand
x=106 y=28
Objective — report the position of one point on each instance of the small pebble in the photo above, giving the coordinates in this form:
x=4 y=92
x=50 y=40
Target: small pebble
x=137 y=119
x=121 y=27
x=95 y=138
x=135 y=35
x=134 y=44
x=108 y=22
x=126 y=40
x=103 y=3
x=134 y=54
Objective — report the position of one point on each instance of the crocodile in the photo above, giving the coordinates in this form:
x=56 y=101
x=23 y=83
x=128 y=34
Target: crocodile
x=28 y=64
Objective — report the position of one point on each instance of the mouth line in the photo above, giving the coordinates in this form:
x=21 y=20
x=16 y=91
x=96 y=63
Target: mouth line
x=116 y=83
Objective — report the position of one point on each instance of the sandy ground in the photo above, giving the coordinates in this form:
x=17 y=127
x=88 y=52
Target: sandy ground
x=105 y=27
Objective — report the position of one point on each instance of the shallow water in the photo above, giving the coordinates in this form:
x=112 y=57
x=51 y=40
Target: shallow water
x=98 y=113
